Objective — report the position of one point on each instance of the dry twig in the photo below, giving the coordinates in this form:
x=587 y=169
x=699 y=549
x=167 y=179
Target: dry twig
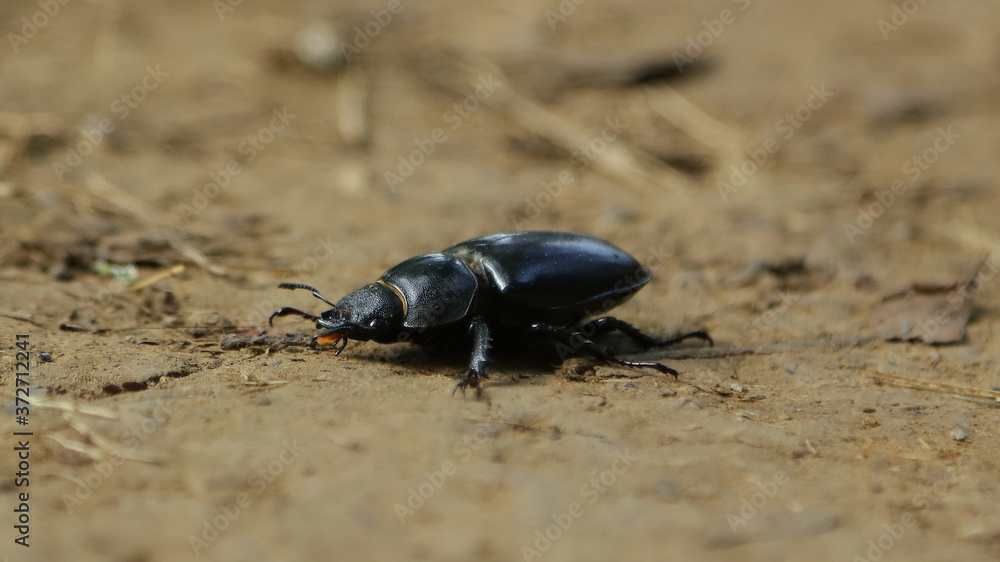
x=462 y=74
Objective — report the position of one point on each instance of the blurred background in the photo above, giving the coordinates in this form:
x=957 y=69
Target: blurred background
x=814 y=181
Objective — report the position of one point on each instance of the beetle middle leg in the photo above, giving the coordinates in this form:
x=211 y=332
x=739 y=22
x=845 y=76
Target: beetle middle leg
x=610 y=323
x=480 y=348
x=577 y=341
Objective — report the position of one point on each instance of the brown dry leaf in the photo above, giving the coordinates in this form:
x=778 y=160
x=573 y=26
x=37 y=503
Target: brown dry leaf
x=935 y=314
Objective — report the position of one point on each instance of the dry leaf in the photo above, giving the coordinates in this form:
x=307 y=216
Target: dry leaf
x=935 y=314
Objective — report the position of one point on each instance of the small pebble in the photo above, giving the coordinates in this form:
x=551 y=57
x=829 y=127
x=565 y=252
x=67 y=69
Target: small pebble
x=959 y=434
x=318 y=46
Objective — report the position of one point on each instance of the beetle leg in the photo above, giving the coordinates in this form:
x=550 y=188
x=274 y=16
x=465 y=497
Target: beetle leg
x=577 y=341
x=700 y=334
x=610 y=323
x=287 y=310
x=477 y=365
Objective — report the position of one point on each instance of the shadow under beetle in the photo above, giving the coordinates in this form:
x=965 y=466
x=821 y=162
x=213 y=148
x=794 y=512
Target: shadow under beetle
x=520 y=287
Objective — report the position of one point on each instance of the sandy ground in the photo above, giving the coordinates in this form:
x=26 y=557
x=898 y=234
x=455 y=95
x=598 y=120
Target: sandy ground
x=783 y=167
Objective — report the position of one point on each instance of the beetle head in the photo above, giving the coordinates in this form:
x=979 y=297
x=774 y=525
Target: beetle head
x=373 y=312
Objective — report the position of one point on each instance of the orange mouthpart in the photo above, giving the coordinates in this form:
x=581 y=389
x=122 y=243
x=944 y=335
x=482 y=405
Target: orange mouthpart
x=329 y=338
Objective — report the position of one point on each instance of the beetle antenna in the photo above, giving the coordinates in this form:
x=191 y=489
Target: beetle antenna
x=287 y=310
x=315 y=293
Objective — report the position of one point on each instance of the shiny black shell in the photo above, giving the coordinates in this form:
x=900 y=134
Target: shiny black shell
x=436 y=289
x=517 y=279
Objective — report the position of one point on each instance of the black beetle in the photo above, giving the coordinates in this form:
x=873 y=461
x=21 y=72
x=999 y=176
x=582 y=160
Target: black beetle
x=510 y=287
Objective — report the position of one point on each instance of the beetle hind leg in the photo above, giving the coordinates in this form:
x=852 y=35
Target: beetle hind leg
x=577 y=341
x=698 y=334
x=611 y=324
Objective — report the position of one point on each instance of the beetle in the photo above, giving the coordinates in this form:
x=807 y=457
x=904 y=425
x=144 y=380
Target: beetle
x=513 y=288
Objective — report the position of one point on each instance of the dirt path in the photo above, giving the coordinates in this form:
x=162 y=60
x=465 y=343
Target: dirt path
x=781 y=167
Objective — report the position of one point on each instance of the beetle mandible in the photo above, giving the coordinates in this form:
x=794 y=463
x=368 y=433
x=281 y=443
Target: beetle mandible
x=505 y=288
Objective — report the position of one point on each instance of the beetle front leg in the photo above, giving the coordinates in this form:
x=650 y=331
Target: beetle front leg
x=477 y=364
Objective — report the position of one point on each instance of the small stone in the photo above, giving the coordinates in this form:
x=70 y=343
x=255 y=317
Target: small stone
x=318 y=46
x=959 y=433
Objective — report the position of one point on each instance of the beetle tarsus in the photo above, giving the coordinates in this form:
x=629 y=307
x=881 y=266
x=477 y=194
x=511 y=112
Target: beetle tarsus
x=470 y=380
